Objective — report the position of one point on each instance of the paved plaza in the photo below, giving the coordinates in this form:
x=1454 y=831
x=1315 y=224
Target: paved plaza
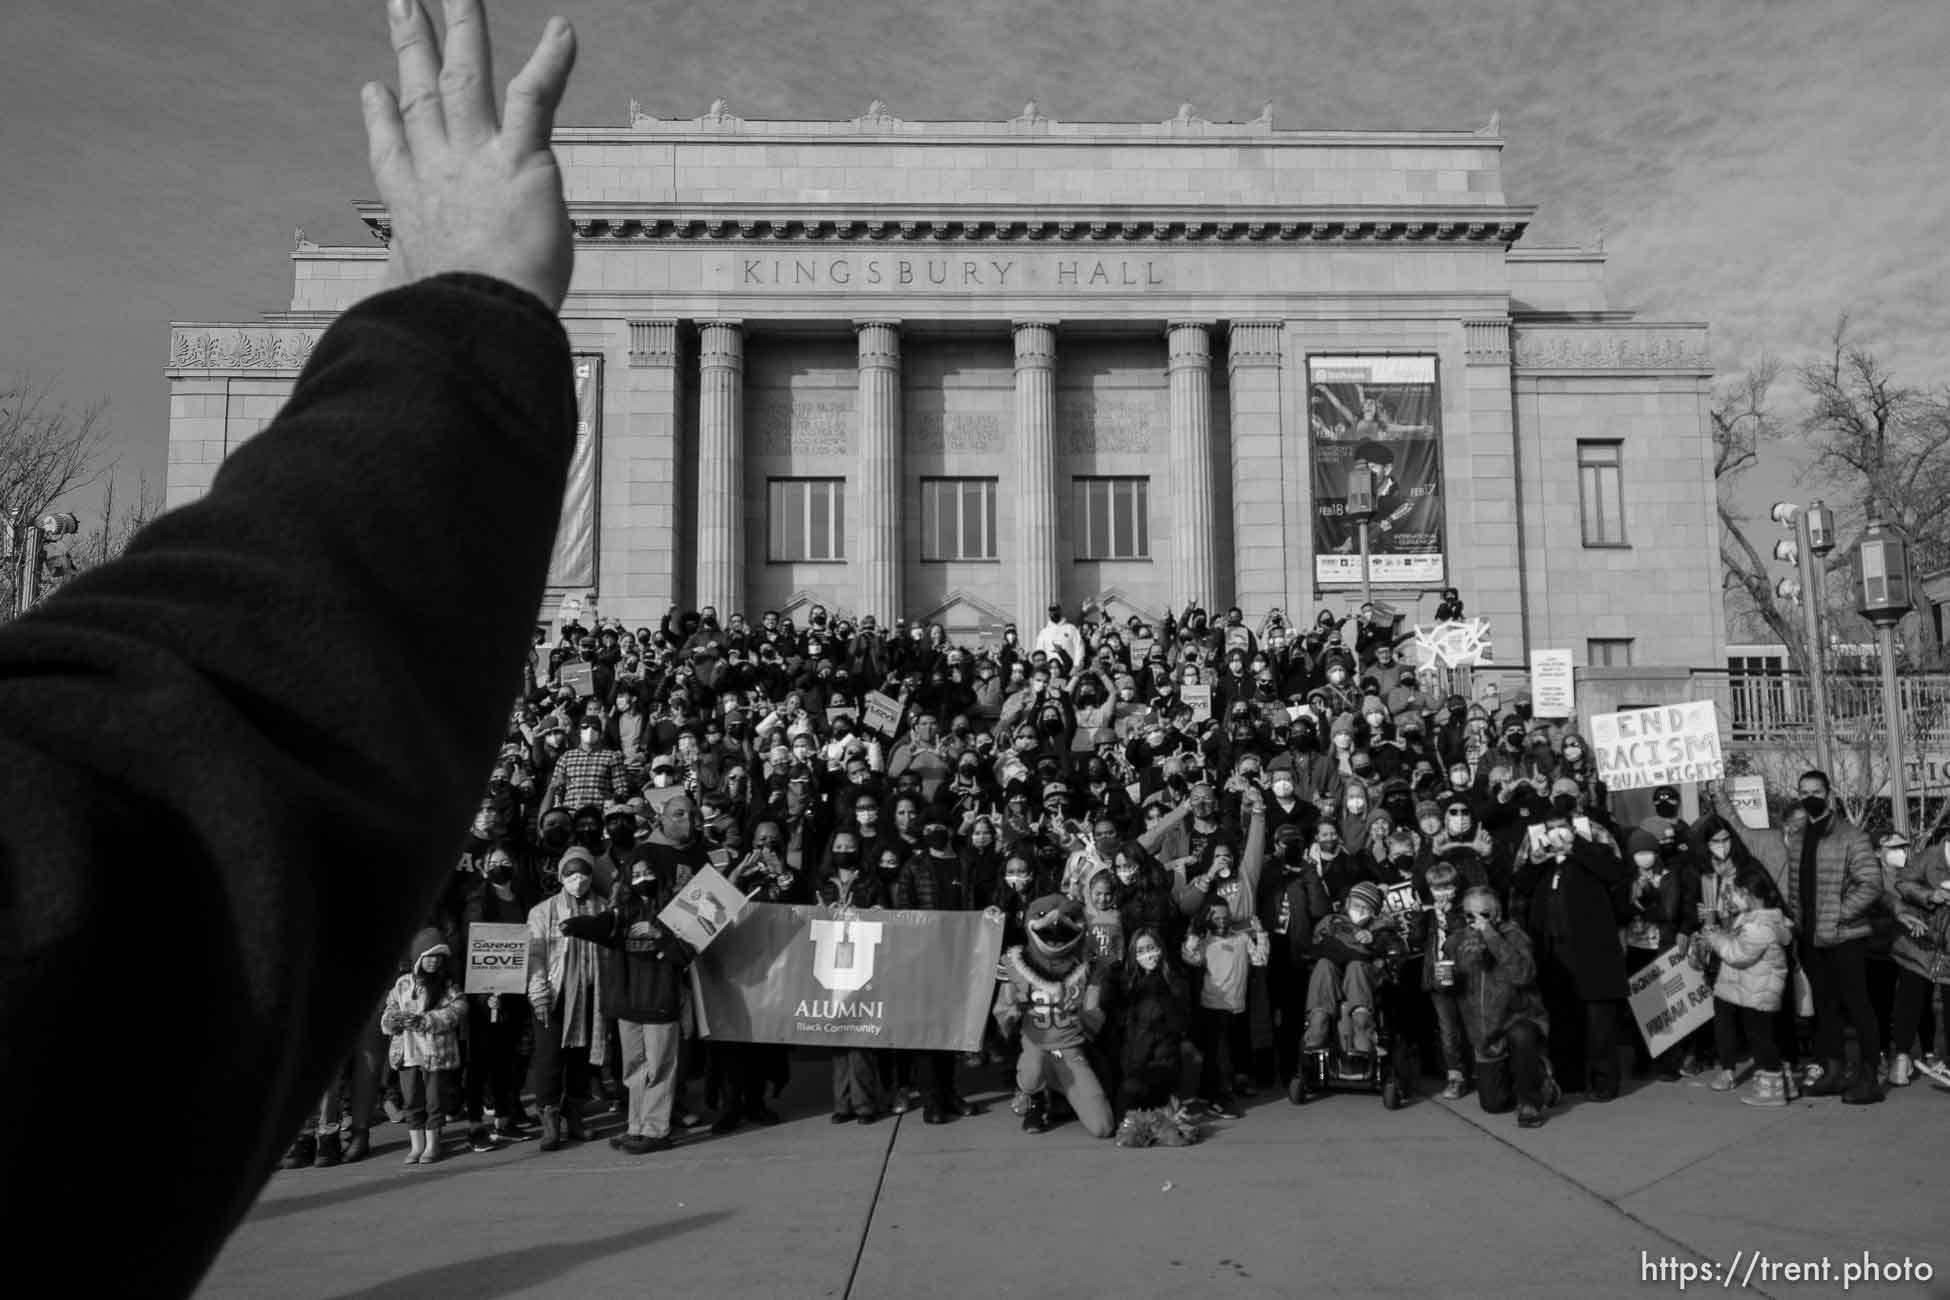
x=1338 y=1198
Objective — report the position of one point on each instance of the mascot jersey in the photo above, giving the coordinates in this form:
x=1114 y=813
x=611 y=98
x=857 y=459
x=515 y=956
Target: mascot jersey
x=1052 y=986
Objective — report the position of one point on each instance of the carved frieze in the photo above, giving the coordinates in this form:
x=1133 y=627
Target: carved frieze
x=787 y=426
x=222 y=348
x=1600 y=348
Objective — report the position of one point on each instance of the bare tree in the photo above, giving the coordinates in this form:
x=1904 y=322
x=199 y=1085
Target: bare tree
x=46 y=452
x=111 y=536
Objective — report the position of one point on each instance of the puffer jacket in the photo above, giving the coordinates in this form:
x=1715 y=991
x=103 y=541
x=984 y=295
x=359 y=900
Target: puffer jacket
x=1918 y=881
x=1753 y=954
x=1848 y=882
x=1496 y=985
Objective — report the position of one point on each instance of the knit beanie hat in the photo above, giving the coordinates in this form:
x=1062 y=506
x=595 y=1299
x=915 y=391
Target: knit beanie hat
x=1641 y=840
x=576 y=859
x=1365 y=892
x=426 y=941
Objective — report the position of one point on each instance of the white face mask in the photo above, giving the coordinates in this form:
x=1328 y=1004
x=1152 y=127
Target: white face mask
x=1359 y=915
x=577 y=885
x=1898 y=858
x=1126 y=875
x=1148 y=959
x=1721 y=849
x=1442 y=898
x=1283 y=789
x=1357 y=806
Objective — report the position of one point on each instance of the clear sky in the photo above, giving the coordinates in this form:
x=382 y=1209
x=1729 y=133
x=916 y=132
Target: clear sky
x=1758 y=164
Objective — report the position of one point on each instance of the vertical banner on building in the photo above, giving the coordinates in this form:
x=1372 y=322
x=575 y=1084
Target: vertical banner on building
x=1553 y=684
x=573 y=562
x=1384 y=412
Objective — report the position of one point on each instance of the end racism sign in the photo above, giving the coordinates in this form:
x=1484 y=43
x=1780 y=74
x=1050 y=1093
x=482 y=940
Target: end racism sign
x=1667 y=745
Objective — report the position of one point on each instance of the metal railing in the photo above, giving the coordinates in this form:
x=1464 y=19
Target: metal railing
x=1762 y=708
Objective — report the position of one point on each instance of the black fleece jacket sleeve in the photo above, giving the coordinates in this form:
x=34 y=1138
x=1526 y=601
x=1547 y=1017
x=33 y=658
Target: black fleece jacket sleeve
x=240 y=762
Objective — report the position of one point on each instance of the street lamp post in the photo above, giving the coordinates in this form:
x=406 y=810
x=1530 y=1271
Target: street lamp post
x=1882 y=596
x=1360 y=508
x=28 y=589
x=1814 y=532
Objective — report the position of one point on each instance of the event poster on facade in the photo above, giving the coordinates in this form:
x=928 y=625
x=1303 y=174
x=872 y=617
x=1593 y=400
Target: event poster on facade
x=573 y=562
x=1384 y=412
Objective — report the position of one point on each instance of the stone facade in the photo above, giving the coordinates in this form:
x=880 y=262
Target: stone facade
x=1029 y=318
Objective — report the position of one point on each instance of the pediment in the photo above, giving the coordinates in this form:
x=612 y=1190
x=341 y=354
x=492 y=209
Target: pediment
x=962 y=609
x=1117 y=607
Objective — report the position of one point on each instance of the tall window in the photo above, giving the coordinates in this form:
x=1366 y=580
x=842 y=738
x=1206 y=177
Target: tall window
x=957 y=519
x=1113 y=519
x=807 y=519
x=1609 y=652
x=1601 y=492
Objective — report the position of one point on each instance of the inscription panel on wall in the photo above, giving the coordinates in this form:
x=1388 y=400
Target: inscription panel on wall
x=919 y=273
x=955 y=431
x=1087 y=425
x=787 y=426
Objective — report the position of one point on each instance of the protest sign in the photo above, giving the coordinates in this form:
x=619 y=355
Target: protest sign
x=579 y=677
x=657 y=796
x=1668 y=745
x=1454 y=645
x=1749 y=794
x=1200 y=698
x=704 y=909
x=843 y=978
x=1669 y=1000
x=497 y=958
x=834 y=712
x=1553 y=688
x=882 y=713
x=1399 y=900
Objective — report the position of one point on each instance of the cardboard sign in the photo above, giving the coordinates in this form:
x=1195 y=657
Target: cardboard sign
x=580 y=677
x=1553 y=685
x=1454 y=645
x=1749 y=796
x=834 y=712
x=658 y=796
x=1669 y=1000
x=1399 y=900
x=882 y=713
x=1668 y=745
x=497 y=958
x=1200 y=698
x=704 y=909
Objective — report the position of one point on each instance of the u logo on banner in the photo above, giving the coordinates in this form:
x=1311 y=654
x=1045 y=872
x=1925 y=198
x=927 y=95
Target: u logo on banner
x=843 y=953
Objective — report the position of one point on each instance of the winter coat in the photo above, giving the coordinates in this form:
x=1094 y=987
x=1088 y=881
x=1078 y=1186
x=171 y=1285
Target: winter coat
x=1292 y=902
x=643 y=963
x=865 y=891
x=1226 y=959
x=1496 y=985
x=1753 y=959
x=1587 y=879
x=1918 y=880
x=437 y=1045
x=548 y=960
x=1153 y=1013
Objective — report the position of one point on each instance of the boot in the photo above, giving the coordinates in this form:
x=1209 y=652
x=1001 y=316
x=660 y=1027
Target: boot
x=1363 y=1035
x=551 y=1129
x=430 y=1153
x=304 y=1149
x=1865 y=1089
x=1036 y=1118
x=572 y=1126
x=358 y=1145
x=329 y=1151
x=1452 y=1088
x=1318 y=1023
x=1832 y=1083
x=417 y=1139
x=1769 y=1089
x=1529 y=1115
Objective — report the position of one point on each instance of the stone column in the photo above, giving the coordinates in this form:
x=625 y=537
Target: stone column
x=1194 y=570
x=1265 y=548
x=721 y=467
x=877 y=488
x=643 y=463
x=1038 y=576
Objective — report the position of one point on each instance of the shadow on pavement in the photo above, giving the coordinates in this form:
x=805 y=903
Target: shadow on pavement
x=518 y=1270
x=361 y=1186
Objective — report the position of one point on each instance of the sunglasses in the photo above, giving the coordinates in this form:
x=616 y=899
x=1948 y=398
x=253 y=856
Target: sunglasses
x=1478 y=916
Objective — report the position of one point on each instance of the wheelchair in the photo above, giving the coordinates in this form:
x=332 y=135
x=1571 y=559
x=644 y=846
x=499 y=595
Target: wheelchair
x=1338 y=1068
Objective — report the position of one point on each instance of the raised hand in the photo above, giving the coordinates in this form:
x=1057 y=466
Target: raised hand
x=467 y=188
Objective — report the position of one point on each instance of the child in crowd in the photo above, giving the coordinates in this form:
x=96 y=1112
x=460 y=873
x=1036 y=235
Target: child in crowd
x=1753 y=953
x=1152 y=1015
x=1226 y=955
x=1104 y=918
x=423 y=1014
x=1439 y=975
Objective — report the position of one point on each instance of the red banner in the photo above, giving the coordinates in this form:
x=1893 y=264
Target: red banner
x=839 y=978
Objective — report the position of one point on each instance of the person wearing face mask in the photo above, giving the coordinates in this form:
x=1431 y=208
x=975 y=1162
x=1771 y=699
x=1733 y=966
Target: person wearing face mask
x=1442 y=921
x=936 y=879
x=554 y=835
x=1664 y=914
x=642 y=984
x=565 y=999
x=1342 y=696
x=1290 y=903
x=1495 y=977
x=1578 y=892
x=1286 y=804
x=1922 y=956
x=981 y=857
x=496 y=1024
x=591 y=773
x=1357 y=818
x=588 y=831
x=1461 y=834
x=920 y=751
x=423 y=1014
x=1149 y=1017
x=1347 y=946
x=1144 y=892
x=677 y=850
x=1339 y=870
x=1665 y=813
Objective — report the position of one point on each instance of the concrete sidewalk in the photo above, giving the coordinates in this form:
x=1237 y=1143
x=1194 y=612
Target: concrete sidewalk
x=1337 y=1198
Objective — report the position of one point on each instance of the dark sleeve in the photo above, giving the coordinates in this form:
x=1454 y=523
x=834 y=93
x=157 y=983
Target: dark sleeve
x=246 y=699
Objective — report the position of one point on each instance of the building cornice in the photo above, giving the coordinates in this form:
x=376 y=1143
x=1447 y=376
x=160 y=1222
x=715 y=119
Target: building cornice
x=254 y=351
x=620 y=221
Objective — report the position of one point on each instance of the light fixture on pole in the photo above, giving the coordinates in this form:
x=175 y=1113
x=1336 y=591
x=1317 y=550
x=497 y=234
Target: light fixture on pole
x=48 y=527
x=1882 y=596
x=1814 y=530
x=1360 y=508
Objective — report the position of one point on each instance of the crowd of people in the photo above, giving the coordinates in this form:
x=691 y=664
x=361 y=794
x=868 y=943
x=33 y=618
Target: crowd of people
x=1284 y=841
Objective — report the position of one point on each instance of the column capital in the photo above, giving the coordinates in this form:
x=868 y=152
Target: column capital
x=1253 y=343
x=653 y=342
x=1035 y=344
x=721 y=344
x=1188 y=343
x=880 y=344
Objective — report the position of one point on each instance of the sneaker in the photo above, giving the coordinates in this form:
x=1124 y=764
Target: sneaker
x=1529 y=1116
x=1901 y=1071
x=727 y=1123
x=933 y=1114
x=899 y=1104
x=478 y=1138
x=1453 y=1089
x=1723 y=1081
x=1036 y=1120
x=1227 y=1109
x=1768 y=1089
x=766 y=1116
x=1934 y=1070
x=1692 y=1066
x=1865 y=1091
x=642 y=1144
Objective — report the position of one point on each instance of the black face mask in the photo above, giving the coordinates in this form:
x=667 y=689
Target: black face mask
x=591 y=839
x=1816 y=806
x=1404 y=862
x=846 y=861
x=644 y=889
x=1564 y=803
x=556 y=837
x=500 y=873
x=937 y=837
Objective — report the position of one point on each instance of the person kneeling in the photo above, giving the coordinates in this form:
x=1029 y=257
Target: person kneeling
x=1347 y=947
x=643 y=983
x=1502 y=1011
x=1056 y=994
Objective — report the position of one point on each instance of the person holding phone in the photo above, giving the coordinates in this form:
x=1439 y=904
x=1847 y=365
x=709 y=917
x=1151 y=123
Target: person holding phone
x=1503 y=1014
x=1577 y=891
